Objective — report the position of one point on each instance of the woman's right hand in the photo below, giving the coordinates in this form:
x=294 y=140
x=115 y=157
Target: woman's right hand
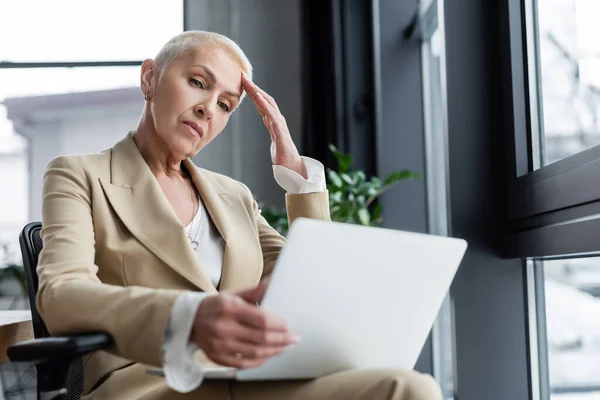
x=233 y=332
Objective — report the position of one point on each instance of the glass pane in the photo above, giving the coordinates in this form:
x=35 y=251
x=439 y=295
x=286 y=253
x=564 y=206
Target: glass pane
x=76 y=30
x=17 y=82
x=572 y=298
x=14 y=165
x=569 y=65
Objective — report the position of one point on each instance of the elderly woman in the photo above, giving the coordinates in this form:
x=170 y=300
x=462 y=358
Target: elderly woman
x=168 y=258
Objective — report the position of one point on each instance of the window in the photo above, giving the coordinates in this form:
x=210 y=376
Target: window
x=568 y=61
x=65 y=47
x=72 y=30
x=553 y=205
x=571 y=309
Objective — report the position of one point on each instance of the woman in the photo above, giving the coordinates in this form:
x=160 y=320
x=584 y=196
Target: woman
x=137 y=240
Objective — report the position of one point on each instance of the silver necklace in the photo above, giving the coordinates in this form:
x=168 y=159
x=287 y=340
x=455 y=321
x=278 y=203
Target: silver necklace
x=191 y=238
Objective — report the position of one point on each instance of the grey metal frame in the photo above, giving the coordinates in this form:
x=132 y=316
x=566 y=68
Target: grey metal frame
x=400 y=139
x=68 y=64
x=552 y=210
x=549 y=211
x=437 y=178
x=538 y=339
x=489 y=294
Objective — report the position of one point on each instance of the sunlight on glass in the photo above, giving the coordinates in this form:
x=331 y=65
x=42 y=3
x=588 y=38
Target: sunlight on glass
x=83 y=30
x=569 y=61
x=572 y=295
x=65 y=30
x=42 y=81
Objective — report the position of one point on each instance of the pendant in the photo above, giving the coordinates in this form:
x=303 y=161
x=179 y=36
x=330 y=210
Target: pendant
x=194 y=243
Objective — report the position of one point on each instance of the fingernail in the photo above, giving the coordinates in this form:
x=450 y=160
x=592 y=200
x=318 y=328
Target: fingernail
x=297 y=339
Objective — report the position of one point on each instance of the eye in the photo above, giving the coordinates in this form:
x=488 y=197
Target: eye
x=197 y=83
x=224 y=106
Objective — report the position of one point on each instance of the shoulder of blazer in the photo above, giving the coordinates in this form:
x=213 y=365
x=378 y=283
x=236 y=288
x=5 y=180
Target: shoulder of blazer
x=81 y=169
x=95 y=163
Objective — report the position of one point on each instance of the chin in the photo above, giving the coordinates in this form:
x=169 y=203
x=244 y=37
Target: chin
x=190 y=147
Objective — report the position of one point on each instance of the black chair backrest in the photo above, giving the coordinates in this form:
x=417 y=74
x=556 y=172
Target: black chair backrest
x=31 y=246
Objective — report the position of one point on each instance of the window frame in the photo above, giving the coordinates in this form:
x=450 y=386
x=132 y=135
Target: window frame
x=489 y=293
x=552 y=210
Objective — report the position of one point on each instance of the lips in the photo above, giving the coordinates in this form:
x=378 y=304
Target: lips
x=193 y=128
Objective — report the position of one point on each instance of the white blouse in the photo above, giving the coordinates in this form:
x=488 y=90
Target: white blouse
x=182 y=372
x=207 y=243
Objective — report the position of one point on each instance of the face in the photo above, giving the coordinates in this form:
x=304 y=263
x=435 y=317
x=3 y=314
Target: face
x=193 y=98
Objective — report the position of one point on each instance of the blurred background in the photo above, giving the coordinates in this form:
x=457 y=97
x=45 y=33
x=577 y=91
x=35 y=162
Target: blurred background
x=379 y=80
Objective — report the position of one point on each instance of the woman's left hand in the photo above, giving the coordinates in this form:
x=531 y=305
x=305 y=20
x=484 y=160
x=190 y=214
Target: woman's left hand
x=283 y=149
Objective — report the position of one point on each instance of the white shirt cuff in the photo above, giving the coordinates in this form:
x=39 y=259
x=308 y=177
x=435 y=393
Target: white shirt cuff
x=182 y=372
x=293 y=182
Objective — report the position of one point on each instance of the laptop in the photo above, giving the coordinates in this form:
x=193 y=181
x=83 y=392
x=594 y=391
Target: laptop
x=359 y=297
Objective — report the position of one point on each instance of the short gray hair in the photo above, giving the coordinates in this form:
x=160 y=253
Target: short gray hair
x=185 y=42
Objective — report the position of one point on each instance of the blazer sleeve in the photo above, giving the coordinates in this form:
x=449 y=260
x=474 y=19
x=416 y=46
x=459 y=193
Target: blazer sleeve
x=71 y=298
x=310 y=205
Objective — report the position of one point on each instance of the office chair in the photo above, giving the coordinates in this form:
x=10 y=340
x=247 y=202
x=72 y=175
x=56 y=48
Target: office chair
x=57 y=359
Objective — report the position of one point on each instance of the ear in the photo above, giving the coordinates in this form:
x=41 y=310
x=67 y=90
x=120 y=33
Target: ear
x=149 y=76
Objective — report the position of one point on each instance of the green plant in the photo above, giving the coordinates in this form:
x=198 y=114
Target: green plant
x=276 y=217
x=352 y=197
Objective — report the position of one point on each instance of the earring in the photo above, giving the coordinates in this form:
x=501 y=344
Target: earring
x=147 y=96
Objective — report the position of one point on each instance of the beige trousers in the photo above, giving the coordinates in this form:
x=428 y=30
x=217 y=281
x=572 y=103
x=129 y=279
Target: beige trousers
x=349 y=385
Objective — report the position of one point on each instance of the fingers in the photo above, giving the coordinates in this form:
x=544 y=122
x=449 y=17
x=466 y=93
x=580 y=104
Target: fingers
x=232 y=360
x=256 y=93
x=240 y=331
x=267 y=108
x=252 y=351
x=253 y=94
x=237 y=352
x=256 y=318
x=233 y=342
x=255 y=295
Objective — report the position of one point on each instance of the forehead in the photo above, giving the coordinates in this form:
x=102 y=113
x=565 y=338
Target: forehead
x=226 y=68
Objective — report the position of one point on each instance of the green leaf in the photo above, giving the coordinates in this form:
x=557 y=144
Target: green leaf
x=363 y=216
x=346 y=178
x=359 y=176
x=399 y=175
x=344 y=161
x=376 y=182
x=377 y=212
x=334 y=178
x=372 y=191
x=336 y=197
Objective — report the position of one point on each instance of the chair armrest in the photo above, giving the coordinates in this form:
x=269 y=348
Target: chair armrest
x=66 y=347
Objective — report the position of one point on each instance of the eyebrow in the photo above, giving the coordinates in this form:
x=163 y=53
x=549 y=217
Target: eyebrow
x=213 y=78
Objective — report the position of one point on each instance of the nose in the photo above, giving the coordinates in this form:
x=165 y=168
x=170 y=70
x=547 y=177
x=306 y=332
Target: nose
x=205 y=110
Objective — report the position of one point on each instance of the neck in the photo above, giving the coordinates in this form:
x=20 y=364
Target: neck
x=154 y=150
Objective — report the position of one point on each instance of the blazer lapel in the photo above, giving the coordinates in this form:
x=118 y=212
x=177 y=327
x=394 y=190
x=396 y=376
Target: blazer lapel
x=231 y=219
x=138 y=200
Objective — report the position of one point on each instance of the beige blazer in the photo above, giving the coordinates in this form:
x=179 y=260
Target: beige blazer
x=116 y=257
